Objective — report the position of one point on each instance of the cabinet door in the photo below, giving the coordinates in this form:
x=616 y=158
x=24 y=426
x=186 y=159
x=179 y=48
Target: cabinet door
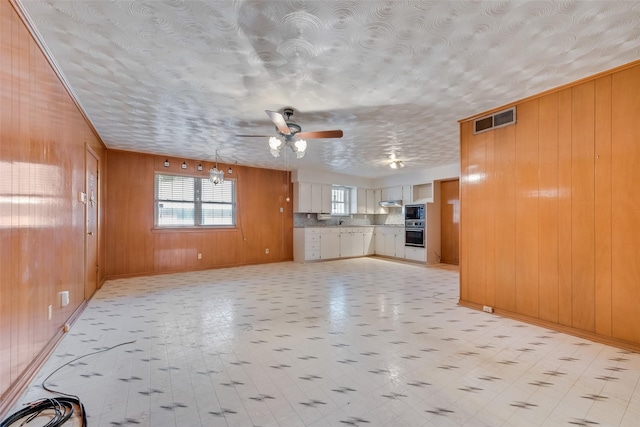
x=369 y=243
x=384 y=194
x=325 y=206
x=399 y=243
x=407 y=194
x=357 y=243
x=316 y=198
x=377 y=197
x=302 y=197
x=346 y=244
x=371 y=202
x=394 y=193
x=330 y=244
x=379 y=242
x=415 y=254
x=361 y=204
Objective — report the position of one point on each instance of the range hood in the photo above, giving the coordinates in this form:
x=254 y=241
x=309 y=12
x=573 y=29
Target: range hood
x=391 y=203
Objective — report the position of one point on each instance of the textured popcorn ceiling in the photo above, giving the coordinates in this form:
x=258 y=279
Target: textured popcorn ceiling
x=182 y=78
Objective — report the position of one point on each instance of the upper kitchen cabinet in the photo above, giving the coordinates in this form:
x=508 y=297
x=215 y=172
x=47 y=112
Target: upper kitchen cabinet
x=312 y=198
x=400 y=192
x=407 y=194
x=392 y=193
x=366 y=201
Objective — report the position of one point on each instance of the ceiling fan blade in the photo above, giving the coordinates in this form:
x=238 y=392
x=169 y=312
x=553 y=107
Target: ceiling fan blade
x=256 y=136
x=320 y=134
x=278 y=120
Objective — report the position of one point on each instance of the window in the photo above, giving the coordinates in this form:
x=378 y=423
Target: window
x=340 y=200
x=189 y=201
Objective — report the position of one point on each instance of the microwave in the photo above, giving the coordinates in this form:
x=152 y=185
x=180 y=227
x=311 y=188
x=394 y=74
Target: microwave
x=413 y=212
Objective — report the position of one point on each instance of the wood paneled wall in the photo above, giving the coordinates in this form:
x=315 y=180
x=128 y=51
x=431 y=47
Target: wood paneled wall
x=550 y=211
x=43 y=139
x=135 y=248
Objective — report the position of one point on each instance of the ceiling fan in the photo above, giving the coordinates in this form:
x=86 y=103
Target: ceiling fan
x=292 y=134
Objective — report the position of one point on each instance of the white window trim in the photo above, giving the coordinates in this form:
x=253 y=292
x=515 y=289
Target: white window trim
x=197 y=215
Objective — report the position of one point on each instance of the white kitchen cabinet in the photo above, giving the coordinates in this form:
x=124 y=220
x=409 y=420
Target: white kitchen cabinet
x=389 y=241
x=392 y=193
x=361 y=204
x=378 y=240
x=407 y=194
x=351 y=242
x=325 y=194
x=324 y=243
x=377 y=198
x=312 y=198
x=371 y=201
x=399 y=243
x=302 y=197
x=415 y=254
x=368 y=241
x=306 y=244
x=366 y=203
x=330 y=243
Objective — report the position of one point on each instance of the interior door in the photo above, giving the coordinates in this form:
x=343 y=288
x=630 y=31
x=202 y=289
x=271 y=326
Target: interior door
x=91 y=224
x=450 y=221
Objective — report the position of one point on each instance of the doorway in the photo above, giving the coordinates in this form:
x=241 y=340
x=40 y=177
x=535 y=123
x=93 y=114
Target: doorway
x=450 y=221
x=92 y=165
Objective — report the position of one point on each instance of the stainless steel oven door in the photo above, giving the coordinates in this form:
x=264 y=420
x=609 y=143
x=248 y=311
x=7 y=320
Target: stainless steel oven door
x=414 y=237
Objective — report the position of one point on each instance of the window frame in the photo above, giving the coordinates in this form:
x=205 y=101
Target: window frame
x=197 y=204
x=346 y=202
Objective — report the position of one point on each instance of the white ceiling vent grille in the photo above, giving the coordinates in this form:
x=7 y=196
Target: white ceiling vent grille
x=496 y=120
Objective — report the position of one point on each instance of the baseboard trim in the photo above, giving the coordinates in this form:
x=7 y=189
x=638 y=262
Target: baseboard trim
x=13 y=393
x=591 y=336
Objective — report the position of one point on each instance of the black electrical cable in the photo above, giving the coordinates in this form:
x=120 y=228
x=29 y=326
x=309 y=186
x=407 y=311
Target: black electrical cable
x=62 y=407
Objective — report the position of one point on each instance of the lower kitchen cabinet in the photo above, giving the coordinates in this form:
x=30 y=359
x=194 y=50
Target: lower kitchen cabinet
x=351 y=242
x=415 y=254
x=324 y=243
x=330 y=243
x=306 y=244
x=368 y=241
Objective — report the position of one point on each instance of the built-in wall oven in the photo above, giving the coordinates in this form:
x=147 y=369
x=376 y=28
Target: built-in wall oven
x=414 y=225
x=414 y=236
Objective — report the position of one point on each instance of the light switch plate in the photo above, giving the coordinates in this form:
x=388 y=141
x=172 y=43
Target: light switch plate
x=64 y=298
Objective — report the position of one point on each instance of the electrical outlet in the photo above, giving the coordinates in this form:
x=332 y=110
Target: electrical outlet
x=266 y=251
x=50 y=312
x=487 y=309
x=199 y=256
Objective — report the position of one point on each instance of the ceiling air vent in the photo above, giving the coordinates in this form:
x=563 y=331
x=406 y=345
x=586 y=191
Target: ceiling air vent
x=496 y=120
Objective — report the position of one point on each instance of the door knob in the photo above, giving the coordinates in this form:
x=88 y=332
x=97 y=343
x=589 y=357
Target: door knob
x=90 y=233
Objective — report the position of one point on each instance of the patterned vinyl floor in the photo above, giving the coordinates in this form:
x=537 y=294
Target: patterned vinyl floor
x=359 y=342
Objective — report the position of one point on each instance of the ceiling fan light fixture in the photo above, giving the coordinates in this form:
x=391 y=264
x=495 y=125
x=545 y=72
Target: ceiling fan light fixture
x=300 y=147
x=275 y=144
x=396 y=164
